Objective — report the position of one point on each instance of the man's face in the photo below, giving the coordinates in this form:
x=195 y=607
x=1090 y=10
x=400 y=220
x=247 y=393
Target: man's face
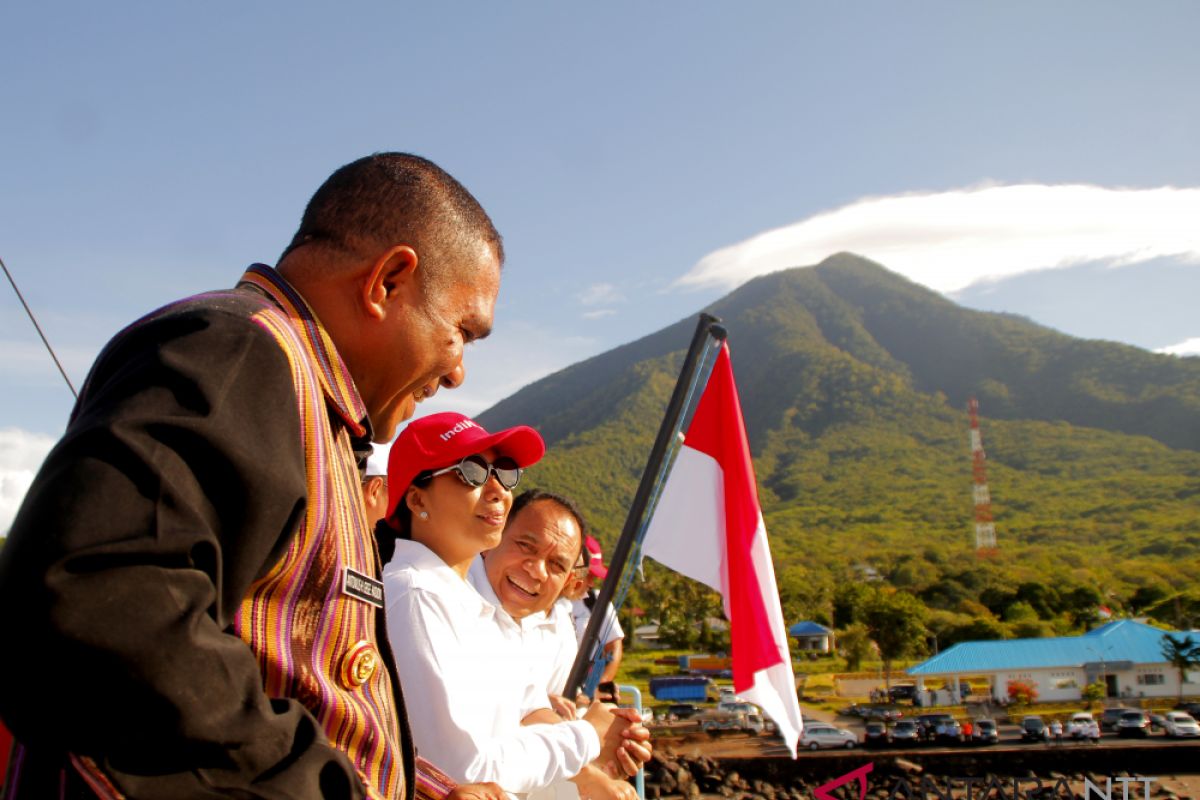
x=421 y=349
x=534 y=559
x=577 y=586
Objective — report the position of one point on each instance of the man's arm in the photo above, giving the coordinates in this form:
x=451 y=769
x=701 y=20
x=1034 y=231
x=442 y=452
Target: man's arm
x=613 y=652
x=177 y=484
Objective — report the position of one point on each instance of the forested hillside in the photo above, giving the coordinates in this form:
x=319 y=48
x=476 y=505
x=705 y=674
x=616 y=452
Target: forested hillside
x=854 y=384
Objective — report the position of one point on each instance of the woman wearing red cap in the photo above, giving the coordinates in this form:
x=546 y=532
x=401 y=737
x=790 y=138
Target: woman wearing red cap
x=467 y=688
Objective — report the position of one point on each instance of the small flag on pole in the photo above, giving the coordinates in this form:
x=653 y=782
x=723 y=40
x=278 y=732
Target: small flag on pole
x=708 y=526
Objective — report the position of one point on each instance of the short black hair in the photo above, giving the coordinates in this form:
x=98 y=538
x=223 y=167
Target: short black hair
x=396 y=198
x=531 y=496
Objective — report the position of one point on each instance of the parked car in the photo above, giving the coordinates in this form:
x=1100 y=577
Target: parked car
x=885 y=713
x=731 y=716
x=903 y=691
x=1133 y=723
x=906 y=732
x=1033 y=729
x=876 y=734
x=1157 y=721
x=682 y=710
x=1191 y=709
x=1109 y=717
x=1079 y=726
x=734 y=705
x=984 y=731
x=1177 y=724
x=818 y=736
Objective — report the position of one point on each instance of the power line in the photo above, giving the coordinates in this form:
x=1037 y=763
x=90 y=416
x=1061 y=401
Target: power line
x=33 y=319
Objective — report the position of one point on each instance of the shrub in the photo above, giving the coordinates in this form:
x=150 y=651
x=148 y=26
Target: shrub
x=1023 y=692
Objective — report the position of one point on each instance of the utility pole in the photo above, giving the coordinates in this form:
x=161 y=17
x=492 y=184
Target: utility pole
x=985 y=529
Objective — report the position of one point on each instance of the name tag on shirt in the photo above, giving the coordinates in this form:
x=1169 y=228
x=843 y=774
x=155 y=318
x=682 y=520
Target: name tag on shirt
x=362 y=587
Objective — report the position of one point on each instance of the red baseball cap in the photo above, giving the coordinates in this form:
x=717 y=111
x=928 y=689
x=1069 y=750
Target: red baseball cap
x=595 y=558
x=440 y=440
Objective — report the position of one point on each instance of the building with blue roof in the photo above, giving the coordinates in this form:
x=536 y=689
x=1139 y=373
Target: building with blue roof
x=1125 y=654
x=811 y=637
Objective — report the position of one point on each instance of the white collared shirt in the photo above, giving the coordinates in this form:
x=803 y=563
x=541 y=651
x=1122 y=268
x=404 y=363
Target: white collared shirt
x=610 y=629
x=466 y=681
x=546 y=639
x=564 y=646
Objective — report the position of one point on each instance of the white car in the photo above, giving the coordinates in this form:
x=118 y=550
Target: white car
x=1080 y=725
x=1180 y=724
x=817 y=736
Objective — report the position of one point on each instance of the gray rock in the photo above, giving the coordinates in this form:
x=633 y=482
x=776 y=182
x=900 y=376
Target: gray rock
x=667 y=781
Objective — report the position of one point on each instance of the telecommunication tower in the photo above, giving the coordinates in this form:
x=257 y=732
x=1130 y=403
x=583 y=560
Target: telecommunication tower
x=985 y=529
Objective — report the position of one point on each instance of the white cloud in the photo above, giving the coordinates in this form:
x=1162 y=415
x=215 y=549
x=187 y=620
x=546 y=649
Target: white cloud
x=599 y=313
x=601 y=294
x=21 y=453
x=1188 y=347
x=949 y=240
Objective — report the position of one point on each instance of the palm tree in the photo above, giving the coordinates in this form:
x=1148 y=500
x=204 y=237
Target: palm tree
x=1183 y=654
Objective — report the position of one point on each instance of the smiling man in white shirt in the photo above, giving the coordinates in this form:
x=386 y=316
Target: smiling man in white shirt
x=538 y=554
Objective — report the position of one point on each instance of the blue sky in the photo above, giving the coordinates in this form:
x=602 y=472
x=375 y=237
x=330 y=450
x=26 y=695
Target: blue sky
x=150 y=151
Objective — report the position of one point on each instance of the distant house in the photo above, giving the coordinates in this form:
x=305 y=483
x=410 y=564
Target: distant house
x=1125 y=654
x=646 y=636
x=811 y=637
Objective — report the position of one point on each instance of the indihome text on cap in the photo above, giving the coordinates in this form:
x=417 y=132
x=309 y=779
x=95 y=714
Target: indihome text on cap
x=459 y=428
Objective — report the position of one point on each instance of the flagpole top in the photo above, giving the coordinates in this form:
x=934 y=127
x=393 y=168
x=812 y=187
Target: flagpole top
x=718 y=332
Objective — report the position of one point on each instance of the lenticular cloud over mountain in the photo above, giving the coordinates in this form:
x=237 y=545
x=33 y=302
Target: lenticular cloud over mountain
x=1188 y=347
x=950 y=240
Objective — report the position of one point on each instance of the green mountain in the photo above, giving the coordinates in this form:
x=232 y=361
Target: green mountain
x=854 y=384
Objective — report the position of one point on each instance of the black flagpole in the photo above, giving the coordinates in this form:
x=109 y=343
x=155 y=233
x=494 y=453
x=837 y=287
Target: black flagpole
x=705 y=327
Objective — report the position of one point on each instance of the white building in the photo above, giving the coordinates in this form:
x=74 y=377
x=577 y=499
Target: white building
x=1125 y=654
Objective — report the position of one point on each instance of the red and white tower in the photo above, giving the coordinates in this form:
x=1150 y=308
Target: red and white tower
x=985 y=529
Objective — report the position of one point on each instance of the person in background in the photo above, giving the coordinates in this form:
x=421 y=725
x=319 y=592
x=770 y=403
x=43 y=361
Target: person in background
x=203 y=626
x=449 y=492
x=582 y=594
x=374 y=490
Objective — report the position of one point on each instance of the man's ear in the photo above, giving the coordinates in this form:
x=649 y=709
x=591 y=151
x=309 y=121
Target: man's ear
x=375 y=484
x=392 y=275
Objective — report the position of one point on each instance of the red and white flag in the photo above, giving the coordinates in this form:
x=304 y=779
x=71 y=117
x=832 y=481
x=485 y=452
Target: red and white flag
x=708 y=525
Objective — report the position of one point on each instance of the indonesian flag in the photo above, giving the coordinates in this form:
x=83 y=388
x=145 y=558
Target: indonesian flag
x=708 y=526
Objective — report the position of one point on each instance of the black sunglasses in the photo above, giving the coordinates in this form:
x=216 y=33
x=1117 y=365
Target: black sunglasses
x=475 y=470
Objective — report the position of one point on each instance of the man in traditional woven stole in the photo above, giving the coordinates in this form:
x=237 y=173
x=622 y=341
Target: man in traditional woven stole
x=190 y=594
